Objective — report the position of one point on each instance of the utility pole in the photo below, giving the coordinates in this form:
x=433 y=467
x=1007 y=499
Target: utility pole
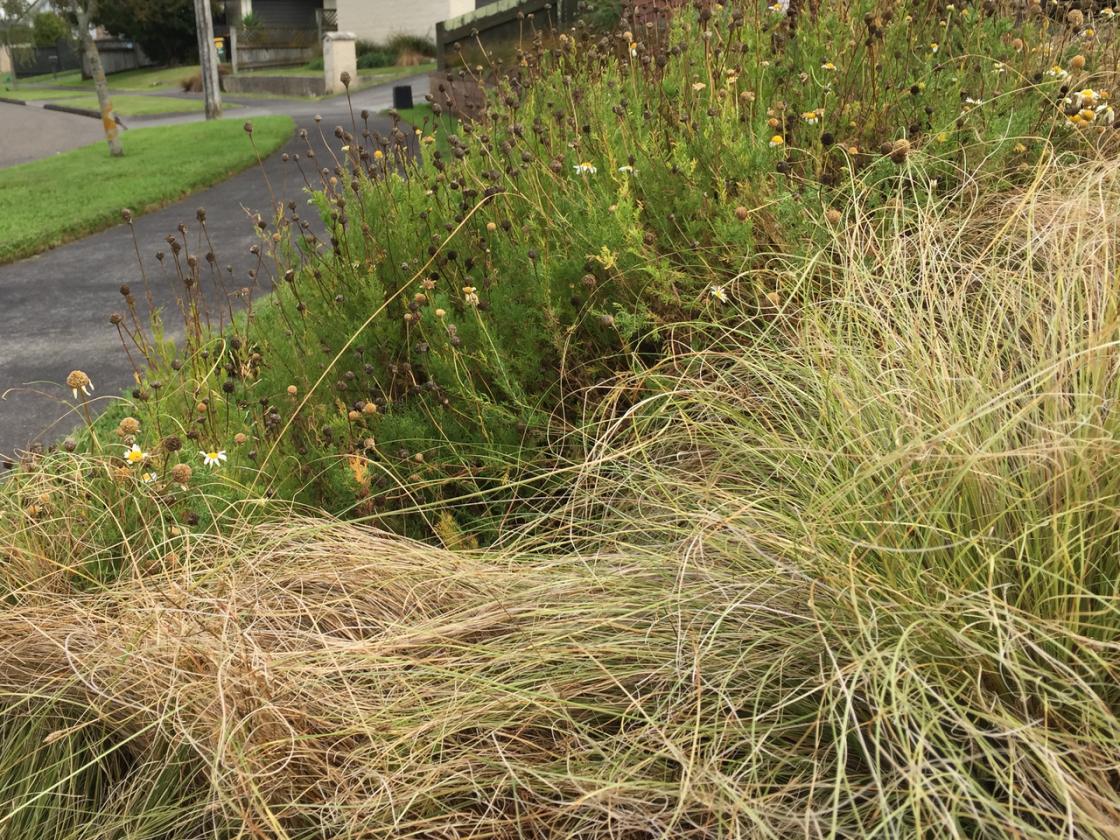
x=83 y=12
x=208 y=59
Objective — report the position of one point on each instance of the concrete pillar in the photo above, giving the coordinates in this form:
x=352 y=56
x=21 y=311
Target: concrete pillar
x=340 y=55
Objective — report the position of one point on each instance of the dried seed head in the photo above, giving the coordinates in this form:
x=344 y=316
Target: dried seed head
x=1077 y=62
x=181 y=474
x=832 y=215
x=741 y=213
x=248 y=127
x=78 y=380
x=171 y=443
x=129 y=426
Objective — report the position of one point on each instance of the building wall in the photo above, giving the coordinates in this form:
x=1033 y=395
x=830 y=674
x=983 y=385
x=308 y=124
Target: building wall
x=377 y=20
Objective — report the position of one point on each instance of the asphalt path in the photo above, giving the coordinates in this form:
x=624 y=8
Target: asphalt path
x=55 y=307
x=28 y=133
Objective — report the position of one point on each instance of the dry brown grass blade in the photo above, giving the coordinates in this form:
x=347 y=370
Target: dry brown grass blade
x=392 y=683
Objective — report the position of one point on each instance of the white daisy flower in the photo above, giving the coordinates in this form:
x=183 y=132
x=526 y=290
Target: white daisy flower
x=134 y=454
x=585 y=168
x=213 y=458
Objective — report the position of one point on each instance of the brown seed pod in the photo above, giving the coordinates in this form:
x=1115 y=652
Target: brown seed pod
x=181 y=474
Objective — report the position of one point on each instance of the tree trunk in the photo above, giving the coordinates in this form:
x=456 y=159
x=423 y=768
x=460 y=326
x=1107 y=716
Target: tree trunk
x=108 y=119
x=11 y=58
x=208 y=59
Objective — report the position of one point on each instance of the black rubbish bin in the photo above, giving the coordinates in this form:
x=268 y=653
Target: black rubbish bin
x=402 y=97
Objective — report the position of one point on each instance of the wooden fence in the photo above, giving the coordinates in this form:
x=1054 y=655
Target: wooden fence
x=118 y=55
x=36 y=61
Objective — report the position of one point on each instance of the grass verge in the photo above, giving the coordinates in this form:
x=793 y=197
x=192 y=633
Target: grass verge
x=82 y=191
x=142 y=106
x=145 y=79
x=30 y=94
x=125 y=105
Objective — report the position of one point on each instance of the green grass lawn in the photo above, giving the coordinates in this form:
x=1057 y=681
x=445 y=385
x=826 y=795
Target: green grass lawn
x=125 y=105
x=385 y=75
x=139 y=106
x=50 y=201
x=146 y=79
x=68 y=77
x=30 y=94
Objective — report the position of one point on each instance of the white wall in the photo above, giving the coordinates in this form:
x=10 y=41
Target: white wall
x=377 y=20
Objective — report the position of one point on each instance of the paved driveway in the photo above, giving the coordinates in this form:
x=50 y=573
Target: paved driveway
x=55 y=308
x=28 y=133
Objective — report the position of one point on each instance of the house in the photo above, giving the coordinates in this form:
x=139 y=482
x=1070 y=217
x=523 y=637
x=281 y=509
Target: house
x=372 y=20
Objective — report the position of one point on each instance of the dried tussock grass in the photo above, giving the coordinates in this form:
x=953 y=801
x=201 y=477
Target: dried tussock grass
x=388 y=688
